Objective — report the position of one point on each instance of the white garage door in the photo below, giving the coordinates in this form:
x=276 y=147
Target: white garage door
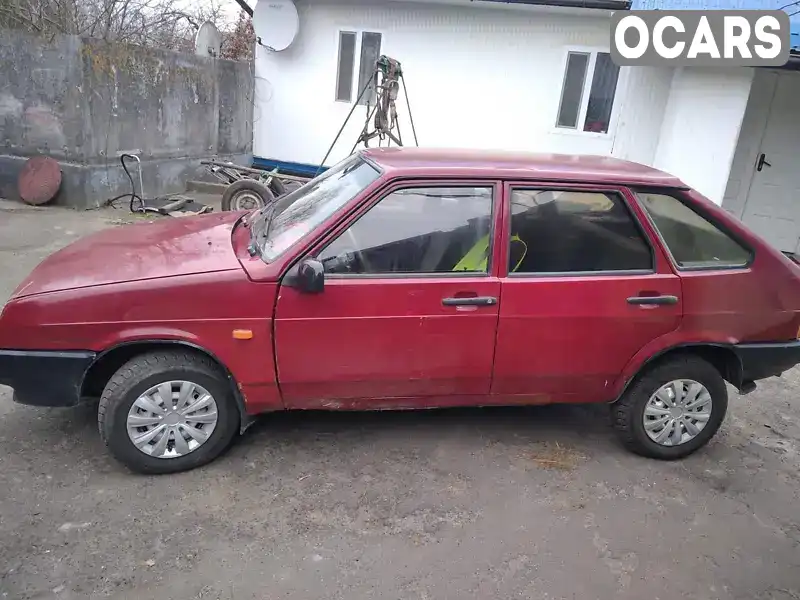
x=773 y=202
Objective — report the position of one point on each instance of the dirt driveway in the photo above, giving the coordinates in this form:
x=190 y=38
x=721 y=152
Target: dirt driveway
x=497 y=504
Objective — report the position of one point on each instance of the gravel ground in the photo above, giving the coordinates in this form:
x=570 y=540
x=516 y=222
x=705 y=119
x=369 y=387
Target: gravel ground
x=534 y=503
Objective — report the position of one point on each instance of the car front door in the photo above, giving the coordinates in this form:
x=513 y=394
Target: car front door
x=408 y=314
x=584 y=290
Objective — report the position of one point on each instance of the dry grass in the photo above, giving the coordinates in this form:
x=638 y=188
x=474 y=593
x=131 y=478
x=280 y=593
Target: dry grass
x=553 y=456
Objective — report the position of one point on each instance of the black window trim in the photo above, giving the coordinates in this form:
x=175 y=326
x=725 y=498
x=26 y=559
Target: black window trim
x=679 y=195
x=558 y=187
x=400 y=184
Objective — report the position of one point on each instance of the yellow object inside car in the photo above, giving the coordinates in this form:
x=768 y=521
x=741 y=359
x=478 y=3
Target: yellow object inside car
x=477 y=258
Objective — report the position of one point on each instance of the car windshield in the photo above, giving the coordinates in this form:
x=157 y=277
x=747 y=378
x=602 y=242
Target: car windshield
x=281 y=225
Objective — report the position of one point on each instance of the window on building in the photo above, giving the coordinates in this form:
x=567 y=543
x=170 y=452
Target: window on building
x=572 y=92
x=370 y=52
x=347 y=57
x=587 y=96
x=417 y=230
x=565 y=231
x=691 y=239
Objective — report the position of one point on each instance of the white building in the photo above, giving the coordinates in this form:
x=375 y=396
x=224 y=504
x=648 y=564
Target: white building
x=535 y=75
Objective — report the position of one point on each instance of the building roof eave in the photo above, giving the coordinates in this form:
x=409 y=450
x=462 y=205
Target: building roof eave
x=793 y=64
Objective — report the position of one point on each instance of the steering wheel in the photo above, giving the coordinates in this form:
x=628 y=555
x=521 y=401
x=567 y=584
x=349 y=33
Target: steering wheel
x=367 y=268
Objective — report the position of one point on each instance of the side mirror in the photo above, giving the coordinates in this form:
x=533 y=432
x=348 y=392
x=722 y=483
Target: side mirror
x=310 y=276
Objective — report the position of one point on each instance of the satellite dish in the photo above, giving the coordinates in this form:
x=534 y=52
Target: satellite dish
x=276 y=23
x=208 y=40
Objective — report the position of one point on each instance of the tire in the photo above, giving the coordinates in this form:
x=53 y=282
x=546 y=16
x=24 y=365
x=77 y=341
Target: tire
x=142 y=373
x=246 y=189
x=628 y=413
x=276 y=187
x=291 y=185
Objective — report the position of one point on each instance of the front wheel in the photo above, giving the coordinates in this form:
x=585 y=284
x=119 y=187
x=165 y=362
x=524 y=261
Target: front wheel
x=672 y=410
x=167 y=411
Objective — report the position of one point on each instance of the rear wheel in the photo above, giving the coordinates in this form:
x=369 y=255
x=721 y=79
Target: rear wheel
x=672 y=410
x=167 y=411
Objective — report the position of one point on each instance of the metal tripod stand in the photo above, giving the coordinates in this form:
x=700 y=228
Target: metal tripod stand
x=387 y=77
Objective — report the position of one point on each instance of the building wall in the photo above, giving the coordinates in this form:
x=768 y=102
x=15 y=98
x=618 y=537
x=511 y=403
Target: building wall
x=749 y=143
x=477 y=78
x=701 y=126
x=82 y=101
x=643 y=101
x=492 y=78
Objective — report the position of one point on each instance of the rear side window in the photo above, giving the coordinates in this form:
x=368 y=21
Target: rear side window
x=568 y=231
x=692 y=240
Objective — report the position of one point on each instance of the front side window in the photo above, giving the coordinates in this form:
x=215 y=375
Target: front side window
x=691 y=239
x=417 y=230
x=565 y=231
x=587 y=95
x=281 y=225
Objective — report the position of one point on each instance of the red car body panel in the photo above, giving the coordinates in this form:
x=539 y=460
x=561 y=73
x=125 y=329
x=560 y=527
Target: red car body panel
x=584 y=326
x=365 y=347
x=402 y=347
x=138 y=252
x=483 y=164
x=759 y=303
x=586 y=329
x=384 y=342
x=198 y=309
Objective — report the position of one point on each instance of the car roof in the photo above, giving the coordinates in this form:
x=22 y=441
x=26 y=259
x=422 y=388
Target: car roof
x=576 y=168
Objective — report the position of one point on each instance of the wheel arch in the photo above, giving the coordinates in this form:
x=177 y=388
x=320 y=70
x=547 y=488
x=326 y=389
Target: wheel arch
x=107 y=362
x=721 y=356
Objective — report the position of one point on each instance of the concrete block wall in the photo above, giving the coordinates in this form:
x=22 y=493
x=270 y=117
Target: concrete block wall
x=83 y=101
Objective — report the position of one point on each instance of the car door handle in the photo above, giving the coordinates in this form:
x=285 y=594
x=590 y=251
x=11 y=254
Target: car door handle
x=656 y=300
x=470 y=301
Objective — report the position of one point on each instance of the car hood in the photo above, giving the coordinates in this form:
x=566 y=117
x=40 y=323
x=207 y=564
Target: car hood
x=165 y=248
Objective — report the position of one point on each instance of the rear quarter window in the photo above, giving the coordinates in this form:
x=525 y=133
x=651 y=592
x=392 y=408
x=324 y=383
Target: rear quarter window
x=693 y=241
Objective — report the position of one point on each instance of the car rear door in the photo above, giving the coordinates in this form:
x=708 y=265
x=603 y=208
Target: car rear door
x=584 y=288
x=408 y=315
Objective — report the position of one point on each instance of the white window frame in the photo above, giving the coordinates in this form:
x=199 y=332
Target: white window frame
x=592 y=51
x=358 y=31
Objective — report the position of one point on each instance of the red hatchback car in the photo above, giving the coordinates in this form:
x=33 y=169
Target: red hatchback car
x=410 y=278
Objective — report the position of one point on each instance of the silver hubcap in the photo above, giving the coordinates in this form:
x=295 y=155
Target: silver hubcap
x=172 y=419
x=677 y=412
x=247 y=201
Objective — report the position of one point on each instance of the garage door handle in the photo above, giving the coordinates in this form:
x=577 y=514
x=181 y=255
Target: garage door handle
x=762 y=162
x=657 y=300
x=473 y=301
